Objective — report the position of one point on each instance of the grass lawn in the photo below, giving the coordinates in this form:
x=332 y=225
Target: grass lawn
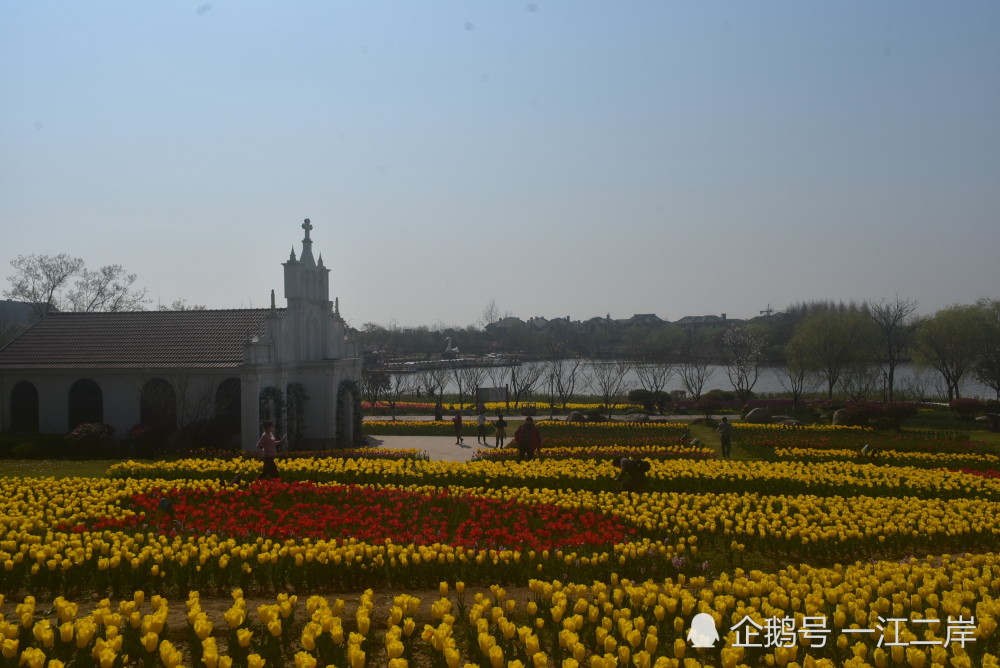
x=56 y=468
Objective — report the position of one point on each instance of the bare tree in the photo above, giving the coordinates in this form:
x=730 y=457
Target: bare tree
x=45 y=282
x=434 y=381
x=499 y=374
x=567 y=375
x=523 y=380
x=109 y=288
x=917 y=386
x=744 y=351
x=654 y=376
x=896 y=325
x=694 y=373
x=796 y=375
x=39 y=279
x=472 y=379
x=860 y=380
x=607 y=378
x=181 y=305
x=375 y=384
x=490 y=314
x=401 y=384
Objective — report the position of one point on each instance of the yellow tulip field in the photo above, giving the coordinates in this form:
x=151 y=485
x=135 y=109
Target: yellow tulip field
x=799 y=559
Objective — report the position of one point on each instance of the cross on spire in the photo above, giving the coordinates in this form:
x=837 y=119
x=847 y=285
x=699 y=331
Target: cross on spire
x=307 y=255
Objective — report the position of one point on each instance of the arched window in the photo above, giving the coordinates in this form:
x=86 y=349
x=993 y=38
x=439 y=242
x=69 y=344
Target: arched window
x=24 y=407
x=158 y=405
x=86 y=403
x=295 y=404
x=227 y=403
x=272 y=407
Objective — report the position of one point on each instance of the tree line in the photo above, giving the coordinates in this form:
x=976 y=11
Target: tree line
x=849 y=348
x=845 y=349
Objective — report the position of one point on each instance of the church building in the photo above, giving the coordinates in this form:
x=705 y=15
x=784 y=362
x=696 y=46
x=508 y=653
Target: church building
x=228 y=368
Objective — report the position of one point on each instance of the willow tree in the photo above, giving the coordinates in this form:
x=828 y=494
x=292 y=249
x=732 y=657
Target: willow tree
x=951 y=342
x=831 y=341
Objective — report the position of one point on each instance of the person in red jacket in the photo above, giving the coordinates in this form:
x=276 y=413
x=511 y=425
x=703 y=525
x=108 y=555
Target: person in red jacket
x=528 y=440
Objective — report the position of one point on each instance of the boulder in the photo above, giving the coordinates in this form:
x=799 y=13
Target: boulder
x=576 y=416
x=636 y=417
x=840 y=417
x=758 y=416
x=792 y=423
x=992 y=421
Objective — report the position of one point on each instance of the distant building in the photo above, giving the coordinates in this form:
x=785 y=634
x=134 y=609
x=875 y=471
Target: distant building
x=643 y=320
x=290 y=364
x=693 y=323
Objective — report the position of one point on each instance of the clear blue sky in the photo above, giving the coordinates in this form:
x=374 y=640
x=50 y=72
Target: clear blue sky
x=563 y=158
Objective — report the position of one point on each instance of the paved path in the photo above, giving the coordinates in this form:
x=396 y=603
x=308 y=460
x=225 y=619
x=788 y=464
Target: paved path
x=441 y=448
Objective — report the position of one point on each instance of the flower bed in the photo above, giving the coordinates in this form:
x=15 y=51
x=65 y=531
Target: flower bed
x=665 y=475
x=601 y=624
x=305 y=510
x=969 y=460
x=763 y=440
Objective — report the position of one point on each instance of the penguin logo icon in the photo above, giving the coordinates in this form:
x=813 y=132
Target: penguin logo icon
x=703 y=632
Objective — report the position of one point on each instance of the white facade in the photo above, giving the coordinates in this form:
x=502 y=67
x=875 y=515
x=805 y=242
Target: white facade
x=307 y=346
x=298 y=357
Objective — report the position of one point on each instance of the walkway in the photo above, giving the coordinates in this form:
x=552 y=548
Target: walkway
x=438 y=448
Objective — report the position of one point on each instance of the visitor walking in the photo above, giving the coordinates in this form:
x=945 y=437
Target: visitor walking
x=501 y=427
x=481 y=426
x=528 y=440
x=267 y=450
x=726 y=437
x=457 y=421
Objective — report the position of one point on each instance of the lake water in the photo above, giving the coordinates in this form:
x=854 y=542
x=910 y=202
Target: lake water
x=907 y=376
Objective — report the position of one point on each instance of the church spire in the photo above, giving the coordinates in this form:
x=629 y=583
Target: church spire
x=307 y=255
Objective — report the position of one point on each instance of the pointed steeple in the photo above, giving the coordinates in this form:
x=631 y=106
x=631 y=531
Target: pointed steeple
x=291 y=256
x=319 y=263
x=307 y=253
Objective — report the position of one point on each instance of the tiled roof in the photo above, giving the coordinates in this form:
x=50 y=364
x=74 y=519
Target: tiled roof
x=135 y=339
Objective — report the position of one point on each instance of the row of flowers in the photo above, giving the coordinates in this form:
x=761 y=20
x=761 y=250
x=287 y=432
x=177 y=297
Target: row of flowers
x=762 y=440
x=679 y=475
x=992 y=474
x=603 y=452
x=939 y=610
x=951 y=459
x=84 y=534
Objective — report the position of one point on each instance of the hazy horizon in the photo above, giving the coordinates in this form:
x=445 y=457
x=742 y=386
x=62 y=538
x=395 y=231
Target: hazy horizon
x=655 y=157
